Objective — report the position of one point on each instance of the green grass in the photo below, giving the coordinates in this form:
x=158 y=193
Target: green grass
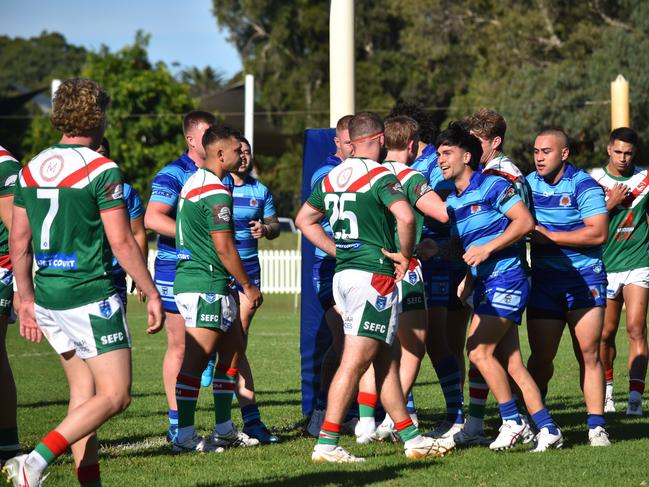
x=135 y=454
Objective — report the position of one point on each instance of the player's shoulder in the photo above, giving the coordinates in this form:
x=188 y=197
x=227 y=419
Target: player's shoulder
x=201 y=184
x=505 y=167
x=7 y=157
x=178 y=168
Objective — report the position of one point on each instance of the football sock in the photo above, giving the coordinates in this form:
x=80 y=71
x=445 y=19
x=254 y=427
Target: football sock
x=636 y=389
x=225 y=379
x=186 y=397
x=172 y=414
x=329 y=434
x=448 y=374
x=509 y=411
x=609 y=382
x=595 y=420
x=250 y=414
x=9 y=444
x=366 y=407
x=478 y=392
x=542 y=419
x=89 y=476
x=410 y=404
x=406 y=429
x=48 y=450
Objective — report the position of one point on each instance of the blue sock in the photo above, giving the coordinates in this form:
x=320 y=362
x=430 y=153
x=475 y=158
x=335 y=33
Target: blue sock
x=250 y=414
x=542 y=419
x=448 y=374
x=173 y=419
x=509 y=411
x=410 y=404
x=595 y=420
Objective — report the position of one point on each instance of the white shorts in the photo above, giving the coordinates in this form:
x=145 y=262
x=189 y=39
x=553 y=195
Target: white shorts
x=90 y=330
x=617 y=280
x=368 y=304
x=207 y=310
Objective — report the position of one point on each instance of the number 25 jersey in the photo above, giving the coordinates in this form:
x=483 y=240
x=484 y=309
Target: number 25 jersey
x=64 y=189
x=356 y=196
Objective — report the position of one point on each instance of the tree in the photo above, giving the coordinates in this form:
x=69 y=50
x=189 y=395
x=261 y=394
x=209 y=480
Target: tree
x=145 y=114
x=202 y=82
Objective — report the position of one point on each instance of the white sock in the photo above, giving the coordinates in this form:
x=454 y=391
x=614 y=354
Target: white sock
x=36 y=462
x=366 y=424
x=325 y=447
x=414 y=418
x=224 y=428
x=609 y=389
x=413 y=442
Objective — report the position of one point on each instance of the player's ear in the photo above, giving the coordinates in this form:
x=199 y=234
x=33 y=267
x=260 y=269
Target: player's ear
x=565 y=152
x=496 y=142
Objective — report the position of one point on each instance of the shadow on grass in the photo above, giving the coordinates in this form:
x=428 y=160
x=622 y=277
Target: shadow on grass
x=338 y=477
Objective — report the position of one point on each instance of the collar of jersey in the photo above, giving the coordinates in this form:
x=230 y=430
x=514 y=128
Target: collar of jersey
x=567 y=172
x=620 y=178
x=67 y=146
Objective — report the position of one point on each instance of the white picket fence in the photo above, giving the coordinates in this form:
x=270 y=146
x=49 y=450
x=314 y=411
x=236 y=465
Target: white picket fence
x=281 y=271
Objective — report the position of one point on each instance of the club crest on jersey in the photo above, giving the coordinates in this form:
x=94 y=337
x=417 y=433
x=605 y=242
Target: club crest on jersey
x=343 y=177
x=164 y=290
x=253 y=202
x=104 y=308
x=11 y=180
x=210 y=298
x=594 y=292
x=564 y=200
x=475 y=209
x=222 y=214
x=381 y=302
x=597 y=268
x=114 y=191
x=412 y=277
x=51 y=168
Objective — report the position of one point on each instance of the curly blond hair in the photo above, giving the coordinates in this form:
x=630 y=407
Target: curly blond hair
x=79 y=107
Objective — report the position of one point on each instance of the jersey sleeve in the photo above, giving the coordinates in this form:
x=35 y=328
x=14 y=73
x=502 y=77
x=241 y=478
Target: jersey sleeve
x=8 y=175
x=109 y=189
x=218 y=212
x=388 y=190
x=502 y=195
x=416 y=187
x=590 y=198
x=133 y=202
x=269 y=204
x=165 y=188
x=316 y=200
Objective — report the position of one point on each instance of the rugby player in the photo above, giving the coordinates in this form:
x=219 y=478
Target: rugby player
x=362 y=200
x=69 y=208
x=490 y=218
x=9 y=445
x=626 y=258
x=207 y=258
x=568 y=276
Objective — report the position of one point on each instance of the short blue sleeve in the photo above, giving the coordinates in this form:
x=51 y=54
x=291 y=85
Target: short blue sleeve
x=133 y=202
x=269 y=205
x=165 y=188
x=501 y=194
x=590 y=197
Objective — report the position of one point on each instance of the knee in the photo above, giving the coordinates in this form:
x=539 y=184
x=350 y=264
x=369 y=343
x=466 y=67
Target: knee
x=477 y=355
x=636 y=331
x=118 y=401
x=590 y=358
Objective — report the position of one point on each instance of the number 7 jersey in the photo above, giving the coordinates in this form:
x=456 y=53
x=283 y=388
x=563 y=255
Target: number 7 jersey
x=64 y=189
x=356 y=196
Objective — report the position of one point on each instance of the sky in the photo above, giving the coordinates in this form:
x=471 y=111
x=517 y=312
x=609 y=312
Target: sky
x=183 y=31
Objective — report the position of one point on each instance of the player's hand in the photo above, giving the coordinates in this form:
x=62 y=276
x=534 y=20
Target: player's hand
x=540 y=236
x=401 y=263
x=465 y=289
x=427 y=249
x=253 y=294
x=156 y=316
x=257 y=228
x=29 y=329
x=476 y=255
x=139 y=295
x=617 y=194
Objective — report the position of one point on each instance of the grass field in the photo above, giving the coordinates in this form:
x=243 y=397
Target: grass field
x=134 y=452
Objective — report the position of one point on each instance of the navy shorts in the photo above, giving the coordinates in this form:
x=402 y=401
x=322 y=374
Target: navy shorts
x=165 y=273
x=253 y=269
x=556 y=292
x=502 y=294
x=119 y=282
x=323 y=277
x=441 y=279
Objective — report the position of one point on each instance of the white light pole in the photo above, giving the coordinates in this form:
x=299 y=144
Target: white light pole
x=249 y=110
x=341 y=60
x=54 y=86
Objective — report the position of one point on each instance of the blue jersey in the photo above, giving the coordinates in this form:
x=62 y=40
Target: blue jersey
x=426 y=164
x=331 y=162
x=165 y=189
x=135 y=210
x=478 y=217
x=562 y=207
x=252 y=201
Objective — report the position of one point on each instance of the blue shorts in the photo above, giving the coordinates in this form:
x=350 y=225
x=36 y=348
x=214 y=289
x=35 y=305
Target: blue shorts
x=441 y=279
x=119 y=282
x=556 y=292
x=165 y=273
x=502 y=294
x=323 y=277
x=253 y=269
